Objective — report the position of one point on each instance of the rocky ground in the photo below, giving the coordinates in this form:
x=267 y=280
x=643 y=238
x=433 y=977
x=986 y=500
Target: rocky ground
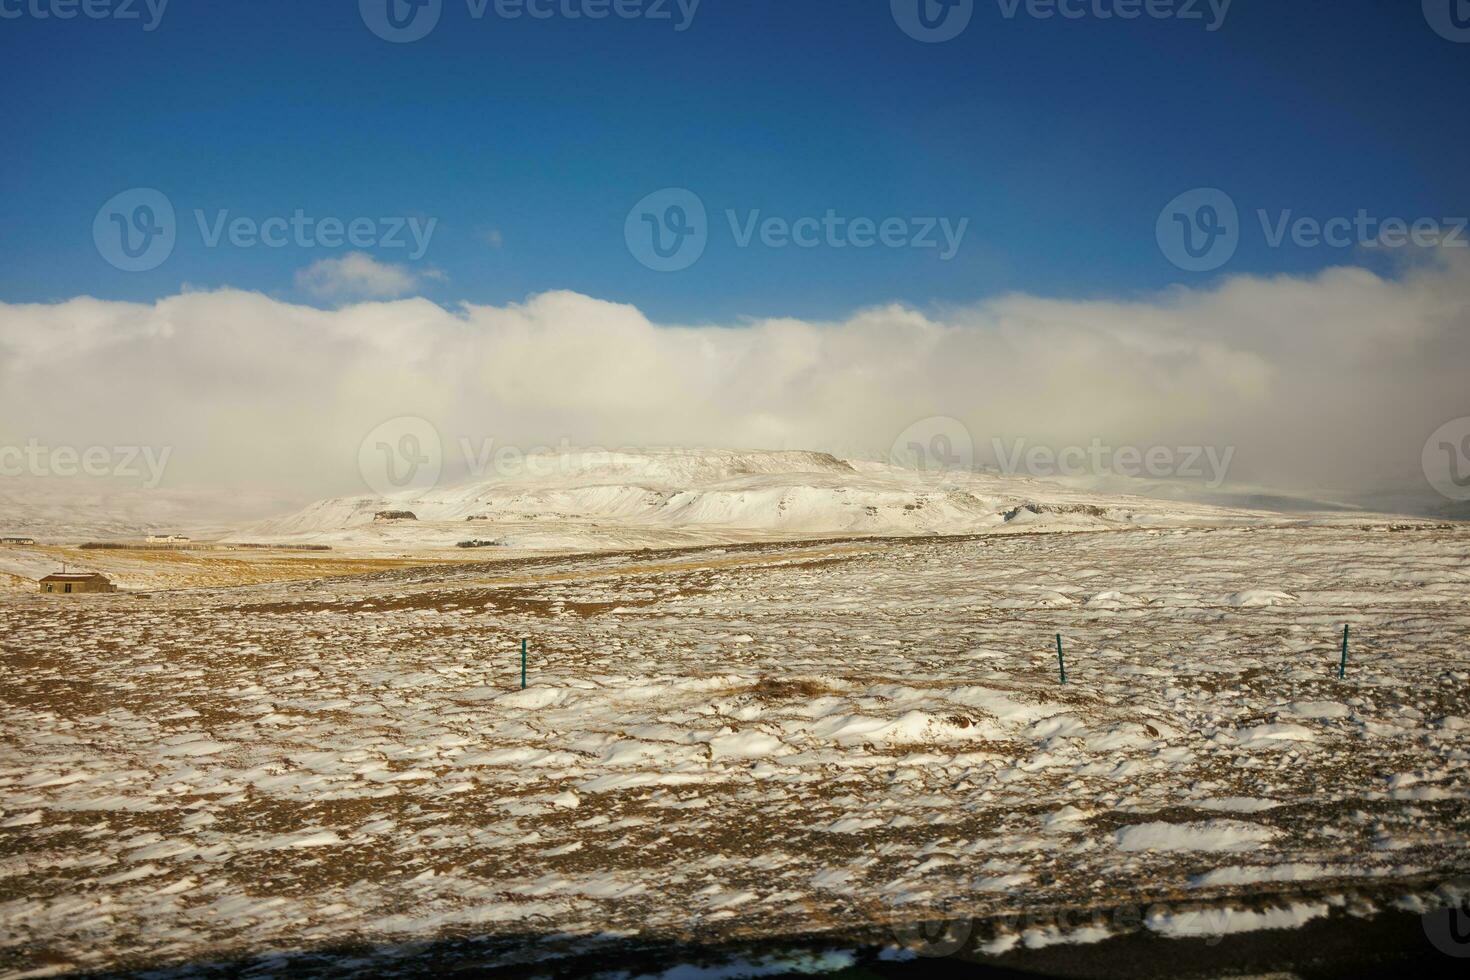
x=731 y=743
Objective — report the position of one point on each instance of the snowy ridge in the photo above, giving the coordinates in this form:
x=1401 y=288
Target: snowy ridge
x=775 y=493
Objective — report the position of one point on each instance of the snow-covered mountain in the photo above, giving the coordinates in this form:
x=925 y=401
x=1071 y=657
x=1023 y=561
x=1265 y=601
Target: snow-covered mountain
x=551 y=499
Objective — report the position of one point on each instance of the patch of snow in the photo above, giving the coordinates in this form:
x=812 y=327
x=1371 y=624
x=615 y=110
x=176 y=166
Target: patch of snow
x=1194 y=924
x=1208 y=835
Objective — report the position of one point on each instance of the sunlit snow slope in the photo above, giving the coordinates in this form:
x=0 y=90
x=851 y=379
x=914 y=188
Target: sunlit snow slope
x=558 y=499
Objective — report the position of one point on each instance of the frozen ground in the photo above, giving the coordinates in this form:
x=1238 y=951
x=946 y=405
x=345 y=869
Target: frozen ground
x=561 y=503
x=740 y=742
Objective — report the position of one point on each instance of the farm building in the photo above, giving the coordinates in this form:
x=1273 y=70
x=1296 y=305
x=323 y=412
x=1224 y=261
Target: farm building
x=67 y=583
x=17 y=541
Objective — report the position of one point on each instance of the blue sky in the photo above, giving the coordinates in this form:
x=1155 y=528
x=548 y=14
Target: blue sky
x=528 y=141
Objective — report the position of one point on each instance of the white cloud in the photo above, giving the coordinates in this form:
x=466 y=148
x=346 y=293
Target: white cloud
x=358 y=275
x=1330 y=381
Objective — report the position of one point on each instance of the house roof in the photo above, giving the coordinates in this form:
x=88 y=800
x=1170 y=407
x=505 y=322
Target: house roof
x=74 y=577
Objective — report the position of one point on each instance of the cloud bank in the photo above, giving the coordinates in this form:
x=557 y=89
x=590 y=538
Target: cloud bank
x=1326 y=384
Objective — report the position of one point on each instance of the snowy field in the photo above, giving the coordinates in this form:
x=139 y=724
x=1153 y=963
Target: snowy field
x=741 y=741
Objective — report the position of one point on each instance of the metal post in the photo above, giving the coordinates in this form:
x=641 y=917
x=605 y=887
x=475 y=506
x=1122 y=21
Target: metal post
x=523 y=665
x=1342 y=667
x=1061 y=660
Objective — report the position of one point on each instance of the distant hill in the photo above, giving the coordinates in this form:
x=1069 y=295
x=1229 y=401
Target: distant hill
x=754 y=492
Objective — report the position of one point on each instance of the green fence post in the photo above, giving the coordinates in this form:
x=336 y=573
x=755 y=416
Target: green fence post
x=1342 y=667
x=523 y=665
x=1061 y=660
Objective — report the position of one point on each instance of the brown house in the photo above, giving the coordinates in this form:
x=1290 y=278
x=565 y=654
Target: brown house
x=69 y=583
